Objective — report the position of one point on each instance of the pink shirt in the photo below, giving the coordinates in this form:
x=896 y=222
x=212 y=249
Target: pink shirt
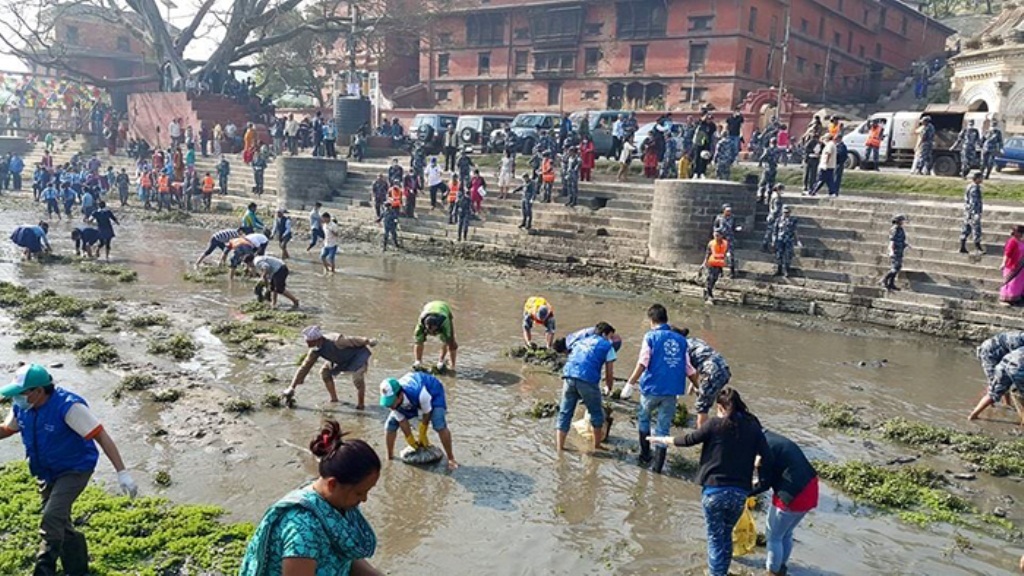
x=783 y=138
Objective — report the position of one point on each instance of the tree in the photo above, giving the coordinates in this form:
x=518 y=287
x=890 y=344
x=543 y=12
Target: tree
x=299 y=66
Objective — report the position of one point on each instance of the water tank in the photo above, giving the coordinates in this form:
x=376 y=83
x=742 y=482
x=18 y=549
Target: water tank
x=351 y=113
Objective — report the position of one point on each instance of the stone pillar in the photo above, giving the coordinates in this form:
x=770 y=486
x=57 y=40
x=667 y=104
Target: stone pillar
x=683 y=212
x=303 y=180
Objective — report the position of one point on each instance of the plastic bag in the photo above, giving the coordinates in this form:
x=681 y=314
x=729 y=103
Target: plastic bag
x=744 y=534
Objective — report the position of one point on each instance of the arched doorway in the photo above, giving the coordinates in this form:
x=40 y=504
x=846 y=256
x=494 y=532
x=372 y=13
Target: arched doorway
x=978 y=106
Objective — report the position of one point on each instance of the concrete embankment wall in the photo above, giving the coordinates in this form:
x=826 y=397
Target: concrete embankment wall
x=683 y=212
x=303 y=180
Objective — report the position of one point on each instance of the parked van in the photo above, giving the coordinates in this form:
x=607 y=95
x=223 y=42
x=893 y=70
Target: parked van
x=476 y=131
x=430 y=128
x=527 y=128
x=601 y=122
x=899 y=137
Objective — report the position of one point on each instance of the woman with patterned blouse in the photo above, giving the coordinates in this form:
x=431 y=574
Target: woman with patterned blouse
x=318 y=530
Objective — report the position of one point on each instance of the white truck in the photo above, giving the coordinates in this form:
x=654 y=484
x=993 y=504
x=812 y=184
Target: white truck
x=899 y=138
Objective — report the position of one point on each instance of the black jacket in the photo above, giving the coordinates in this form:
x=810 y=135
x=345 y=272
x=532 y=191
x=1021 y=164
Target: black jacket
x=789 y=471
x=729 y=448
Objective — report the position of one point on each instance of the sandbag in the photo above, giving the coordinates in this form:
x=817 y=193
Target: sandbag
x=421 y=456
x=585 y=430
x=744 y=534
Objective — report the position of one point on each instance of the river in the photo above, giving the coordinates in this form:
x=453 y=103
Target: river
x=515 y=506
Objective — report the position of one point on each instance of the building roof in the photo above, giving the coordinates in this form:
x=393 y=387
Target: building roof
x=1008 y=24
x=916 y=11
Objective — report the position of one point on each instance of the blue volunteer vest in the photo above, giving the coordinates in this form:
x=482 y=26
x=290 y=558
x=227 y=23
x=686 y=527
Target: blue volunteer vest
x=666 y=371
x=587 y=356
x=52 y=447
x=414 y=383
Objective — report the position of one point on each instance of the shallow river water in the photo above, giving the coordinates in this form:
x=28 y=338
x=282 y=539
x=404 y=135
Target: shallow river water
x=515 y=507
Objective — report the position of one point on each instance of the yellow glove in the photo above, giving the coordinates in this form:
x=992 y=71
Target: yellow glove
x=412 y=442
x=423 y=434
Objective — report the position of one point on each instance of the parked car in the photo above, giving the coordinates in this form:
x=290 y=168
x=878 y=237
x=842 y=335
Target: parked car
x=601 y=122
x=527 y=129
x=644 y=130
x=1013 y=154
x=429 y=130
x=476 y=131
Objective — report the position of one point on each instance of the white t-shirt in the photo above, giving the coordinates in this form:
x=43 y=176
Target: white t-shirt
x=331 y=233
x=174 y=130
x=268 y=264
x=828 y=155
x=257 y=239
x=627 y=152
x=79 y=418
x=434 y=177
x=423 y=401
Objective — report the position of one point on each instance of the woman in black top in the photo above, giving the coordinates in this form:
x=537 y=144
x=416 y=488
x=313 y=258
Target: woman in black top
x=731 y=441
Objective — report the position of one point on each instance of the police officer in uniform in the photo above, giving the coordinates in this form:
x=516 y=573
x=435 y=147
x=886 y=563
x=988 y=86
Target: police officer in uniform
x=926 y=140
x=571 y=175
x=708 y=372
x=991 y=351
x=770 y=161
x=992 y=146
x=972 y=214
x=590 y=351
x=725 y=224
x=661 y=374
x=529 y=189
x=968 y=141
x=1007 y=374
x=774 y=213
x=785 y=241
x=897 y=244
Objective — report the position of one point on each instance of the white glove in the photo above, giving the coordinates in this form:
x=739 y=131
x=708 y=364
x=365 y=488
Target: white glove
x=441 y=365
x=128 y=485
x=627 y=391
x=373 y=342
x=661 y=440
x=417 y=364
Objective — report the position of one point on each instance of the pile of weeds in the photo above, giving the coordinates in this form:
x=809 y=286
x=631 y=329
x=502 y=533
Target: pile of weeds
x=93 y=351
x=162 y=478
x=51 y=258
x=178 y=346
x=133 y=383
x=276 y=400
x=252 y=336
x=58 y=325
x=41 y=340
x=538 y=356
x=121 y=273
x=13 y=295
x=49 y=302
x=206 y=274
x=262 y=312
x=238 y=406
x=542 y=409
x=167 y=216
x=107 y=320
x=994 y=456
x=837 y=415
x=682 y=415
x=141 y=536
x=147 y=320
x=168 y=395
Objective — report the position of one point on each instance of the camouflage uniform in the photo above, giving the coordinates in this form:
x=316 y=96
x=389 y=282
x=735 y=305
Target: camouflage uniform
x=898 y=238
x=770 y=160
x=713 y=370
x=785 y=242
x=571 y=177
x=725 y=155
x=991 y=144
x=726 y=226
x=923 y=161
x=1009 y=373
x=774 y=213
x=972 y=213
x=992 y=351
x=968 y=140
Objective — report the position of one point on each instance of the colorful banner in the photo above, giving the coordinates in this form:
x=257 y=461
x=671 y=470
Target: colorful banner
x=30 y=91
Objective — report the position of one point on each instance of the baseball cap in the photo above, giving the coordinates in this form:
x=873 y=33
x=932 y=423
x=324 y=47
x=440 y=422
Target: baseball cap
x=25 y=379
x=389 y=388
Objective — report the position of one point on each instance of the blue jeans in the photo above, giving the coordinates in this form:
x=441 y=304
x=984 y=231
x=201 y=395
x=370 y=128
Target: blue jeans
x=437 y=420
x=574 y=390
x=722 y=509
x=329 y=253
x=779 y=535
x=665 y=406
x=314 y=235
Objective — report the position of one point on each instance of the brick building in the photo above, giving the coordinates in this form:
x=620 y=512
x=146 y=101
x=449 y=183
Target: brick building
x=668 y=54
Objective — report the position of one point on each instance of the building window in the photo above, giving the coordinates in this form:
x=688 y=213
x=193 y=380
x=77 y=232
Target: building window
x=590 y=94
x=637 y=58
x=483 y=63
x=743 y=94
x=520 y=96
x=442 y=95
x=804 y=25
x=124 y=44
x=591 y=58
x=849 y=41
x=444 y=39
x=772 y=34
x=522 y=33
x=867 y=14
x=862 y=51
x=564 y=62
x=878 y=51
x=837 y=38
x=748 y=60
x=688 y=94
x=644 y=19
x=442 y=64
x=561 y=24
x=752 y=23
x=903 y=26
x=698 y=57
x=554 y=93
x=821 y=28
x=485 y=29
x=72 y=35
x=817 y=70
x=522 y=59
x=699 y=23
x=800 y=64
x=839 y=6
x=593 y=28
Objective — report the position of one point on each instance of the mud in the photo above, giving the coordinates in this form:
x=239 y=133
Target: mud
x=515 y=503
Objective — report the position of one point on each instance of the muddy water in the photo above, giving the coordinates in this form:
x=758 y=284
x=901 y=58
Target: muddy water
x=514 y=507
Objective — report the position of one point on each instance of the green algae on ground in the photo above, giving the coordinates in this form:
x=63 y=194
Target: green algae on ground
x=682 y=415
x=542 y=409
x=133 y=383
x=41 y=340
x=166 y=396
x=13 y=295
x=121 y=273
x=178 y=346
x=206 y=274
x=837 y=415
x=49 y=302
x=93 y=351
x=147 y=320
x=238 y=406
x=58 y=325
x=538 y=356
x=251 y=336
x=991 y=455
x=107 y=320
x=262 y=312
x=162 y=478
x=142 y=537
x=168 y=216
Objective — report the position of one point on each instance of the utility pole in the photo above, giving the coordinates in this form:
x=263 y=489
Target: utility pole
x=782 y=72
x=351 y=81
x=693 y=89
x=824 y=77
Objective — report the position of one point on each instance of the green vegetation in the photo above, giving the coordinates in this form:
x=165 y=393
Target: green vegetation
x=251 y=336
x=542 y=409
x=681 y=416
x=141 y=537
x=166 y=396
x=48 y=302
x=168 y=216
x=178 y=346
x=162 y=478
x=147 y=320
x=41 y=340
x=837 y=415
x=133 y=383
x=997 y=457
x=93 y=351
x=107 y=320
x=122 y=273
x=206 y=274
x=13 y=295
x=262 y=312
x=539 y=356
x=238 y=406
x=58 y=325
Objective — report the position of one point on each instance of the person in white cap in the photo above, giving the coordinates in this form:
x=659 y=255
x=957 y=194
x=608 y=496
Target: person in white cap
x=342 y=354
x=60 y=434
x=416 y=395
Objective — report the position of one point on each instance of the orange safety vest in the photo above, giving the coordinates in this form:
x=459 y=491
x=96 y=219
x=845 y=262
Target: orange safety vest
x=834 y=129
x=164 y=184
x=453 y=191
x=874 y=137
x=146 y=180
x=717 y=250
x=396 y=196
x=548 y=170
x=535 y=303
x=208 y=185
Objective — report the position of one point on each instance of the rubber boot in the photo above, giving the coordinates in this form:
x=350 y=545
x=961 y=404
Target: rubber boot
x=978 y=246
x=659 y=459
x=963 y=246
x=645 y=450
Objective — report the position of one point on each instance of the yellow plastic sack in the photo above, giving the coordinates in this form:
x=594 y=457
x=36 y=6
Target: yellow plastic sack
x=744 y=534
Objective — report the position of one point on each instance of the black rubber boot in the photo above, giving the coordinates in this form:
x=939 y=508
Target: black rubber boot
x=659 y=459
x=978 y=246
x=645 y=450
x=963 y=246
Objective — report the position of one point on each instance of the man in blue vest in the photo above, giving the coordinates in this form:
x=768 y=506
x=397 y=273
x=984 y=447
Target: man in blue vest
x=60 y=434
x=416 y=395
x=661 y=373
x=589 y=350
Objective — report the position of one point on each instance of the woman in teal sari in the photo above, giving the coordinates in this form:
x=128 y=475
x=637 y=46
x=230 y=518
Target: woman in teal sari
x=318 y=530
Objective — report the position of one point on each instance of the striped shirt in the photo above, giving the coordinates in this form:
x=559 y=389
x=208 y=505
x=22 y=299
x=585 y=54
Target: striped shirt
x=224 y=235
